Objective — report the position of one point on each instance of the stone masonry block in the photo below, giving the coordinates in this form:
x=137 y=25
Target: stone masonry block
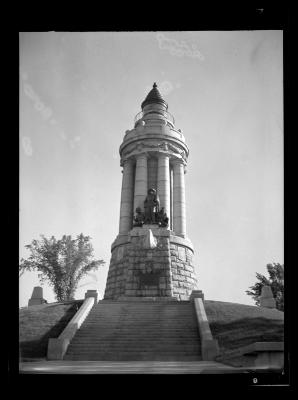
x=181 y=253
x=57 y=348
x=190 y=279
x=163 y=253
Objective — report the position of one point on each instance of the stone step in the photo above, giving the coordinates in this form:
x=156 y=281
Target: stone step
x=145 y=312
x=141 y=325
x=137 y=351
x=143 y=306
x=137 y=331
x=119 y=349
x=152 y=341
x=144 y=315
x=132 y=339
x=139 y=322
x=145 y=347
x=162 y=324
x=139 y=346
x=132 y=335
x=168 y=309
x=132 y=357
x=148 y=342
x=123 y=339
x=140 y=311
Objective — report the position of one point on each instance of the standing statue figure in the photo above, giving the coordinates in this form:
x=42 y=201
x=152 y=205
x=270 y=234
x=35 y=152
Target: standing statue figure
x=151 y=205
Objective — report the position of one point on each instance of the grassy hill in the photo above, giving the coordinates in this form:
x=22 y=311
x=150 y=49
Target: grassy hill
x=39 y=323
x=235 y=325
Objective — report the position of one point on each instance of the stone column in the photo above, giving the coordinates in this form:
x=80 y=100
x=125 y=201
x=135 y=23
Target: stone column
x=171 y=191
x=179 y=214
x=152 y=172
x=141 y=185
x=126 y=212
x=163 y=183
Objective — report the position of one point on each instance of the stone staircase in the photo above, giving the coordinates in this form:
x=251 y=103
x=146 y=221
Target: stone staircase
x=138 y=330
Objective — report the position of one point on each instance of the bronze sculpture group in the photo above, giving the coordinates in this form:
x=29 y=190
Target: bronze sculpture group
x=153 y=214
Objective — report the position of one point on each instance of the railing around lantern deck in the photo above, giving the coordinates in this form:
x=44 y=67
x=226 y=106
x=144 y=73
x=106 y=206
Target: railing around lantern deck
x=165 y=114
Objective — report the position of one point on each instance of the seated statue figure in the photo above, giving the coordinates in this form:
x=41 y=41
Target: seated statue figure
x=139 y=217
x=151 y=205
x=162 y=218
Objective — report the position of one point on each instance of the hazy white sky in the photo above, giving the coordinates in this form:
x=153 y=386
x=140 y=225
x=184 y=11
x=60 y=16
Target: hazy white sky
x=79 y=93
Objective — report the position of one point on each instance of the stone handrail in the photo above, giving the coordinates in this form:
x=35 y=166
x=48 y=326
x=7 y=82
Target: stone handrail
x=57 y=346
x=204 y=328
x=209 y=345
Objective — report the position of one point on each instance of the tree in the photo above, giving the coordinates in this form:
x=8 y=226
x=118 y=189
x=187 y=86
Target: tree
x=275 y=281
x=62 y=263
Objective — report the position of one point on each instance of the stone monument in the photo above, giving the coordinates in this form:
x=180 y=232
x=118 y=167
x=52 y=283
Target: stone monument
x=36 y=297
x=266 y=299
x=152 y=255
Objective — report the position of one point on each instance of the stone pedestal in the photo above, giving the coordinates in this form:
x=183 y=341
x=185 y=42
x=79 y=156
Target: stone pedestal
x=37 y=297
x=92 y=293
x=151 y=262
x=266 y=299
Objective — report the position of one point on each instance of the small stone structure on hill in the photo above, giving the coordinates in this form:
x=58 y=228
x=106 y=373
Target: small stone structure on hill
x=266 y=298
x=37 y=297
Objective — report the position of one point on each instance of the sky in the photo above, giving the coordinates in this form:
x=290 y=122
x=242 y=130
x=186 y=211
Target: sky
x=80 y=92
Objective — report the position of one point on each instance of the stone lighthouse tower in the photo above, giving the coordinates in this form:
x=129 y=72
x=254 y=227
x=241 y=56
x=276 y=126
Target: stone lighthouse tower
x=152 y=255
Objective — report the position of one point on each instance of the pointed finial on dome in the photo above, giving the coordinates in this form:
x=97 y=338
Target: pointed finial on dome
x=154 y=97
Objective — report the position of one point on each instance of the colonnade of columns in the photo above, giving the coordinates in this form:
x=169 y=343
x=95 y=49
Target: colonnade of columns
x=135 y=187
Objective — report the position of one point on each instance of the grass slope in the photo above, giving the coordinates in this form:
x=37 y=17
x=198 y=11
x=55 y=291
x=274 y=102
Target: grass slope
x=39 y=323
x=235 y=325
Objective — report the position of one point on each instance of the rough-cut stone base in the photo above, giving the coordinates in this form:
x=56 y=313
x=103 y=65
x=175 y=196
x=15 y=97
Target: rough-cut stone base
x=159 y=267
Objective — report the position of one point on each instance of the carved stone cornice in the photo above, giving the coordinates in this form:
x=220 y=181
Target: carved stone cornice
x=173 y=150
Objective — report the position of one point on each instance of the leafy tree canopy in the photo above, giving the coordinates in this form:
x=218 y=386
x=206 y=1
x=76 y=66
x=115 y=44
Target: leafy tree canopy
x=62 y=263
